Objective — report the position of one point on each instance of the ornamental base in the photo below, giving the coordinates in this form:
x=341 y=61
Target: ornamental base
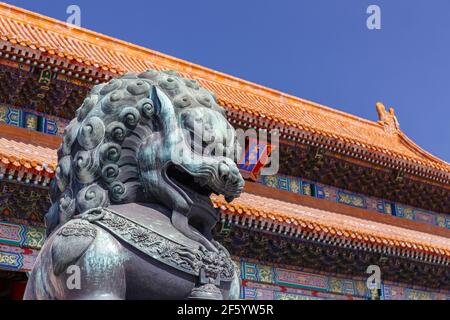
x=206 y=292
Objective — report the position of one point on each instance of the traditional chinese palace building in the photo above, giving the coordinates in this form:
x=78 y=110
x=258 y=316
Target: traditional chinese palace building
x=350 y=192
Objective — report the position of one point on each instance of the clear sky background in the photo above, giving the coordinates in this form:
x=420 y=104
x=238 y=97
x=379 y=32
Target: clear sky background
x=319 y=50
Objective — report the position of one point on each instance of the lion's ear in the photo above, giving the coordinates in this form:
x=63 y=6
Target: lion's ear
x=154 y=96
x=164 y=110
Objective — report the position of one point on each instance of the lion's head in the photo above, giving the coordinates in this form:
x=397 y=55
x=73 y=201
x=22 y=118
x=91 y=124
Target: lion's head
x=150 y=137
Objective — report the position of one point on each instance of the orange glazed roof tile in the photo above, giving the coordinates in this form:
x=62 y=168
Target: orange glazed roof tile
x=54 y=37
x=298 y=217
x=27 y=156
x=30 y=157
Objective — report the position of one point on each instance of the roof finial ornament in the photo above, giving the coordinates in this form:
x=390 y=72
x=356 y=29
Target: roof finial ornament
x=387 y=119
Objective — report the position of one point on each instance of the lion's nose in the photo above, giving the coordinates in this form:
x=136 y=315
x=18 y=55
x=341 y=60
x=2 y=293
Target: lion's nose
x=229 y=174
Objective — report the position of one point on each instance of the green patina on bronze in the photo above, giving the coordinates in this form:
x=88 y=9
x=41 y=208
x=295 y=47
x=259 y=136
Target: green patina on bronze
x=135 y=171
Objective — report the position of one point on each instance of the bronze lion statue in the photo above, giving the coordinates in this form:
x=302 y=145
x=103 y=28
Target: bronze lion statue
x=131 y=215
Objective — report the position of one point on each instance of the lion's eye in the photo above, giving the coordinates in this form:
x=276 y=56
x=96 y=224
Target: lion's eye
x=182 y=102
x=137 y=88
x=191 y=84
x=169 y=83
x=204 y=100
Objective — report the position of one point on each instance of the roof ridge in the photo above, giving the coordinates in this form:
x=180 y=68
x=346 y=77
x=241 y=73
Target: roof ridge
x=275 y=94
x=410 y=143
x=285 y=213
x=117 y=55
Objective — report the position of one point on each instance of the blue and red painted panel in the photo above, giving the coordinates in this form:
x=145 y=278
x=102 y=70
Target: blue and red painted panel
x=32 y=120
x=255 y=157
x=261 y=281
x=310 y=188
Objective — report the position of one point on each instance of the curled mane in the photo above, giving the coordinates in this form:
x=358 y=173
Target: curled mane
x=97 y=161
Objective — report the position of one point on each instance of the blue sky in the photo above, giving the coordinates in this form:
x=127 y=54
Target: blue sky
x=319 y=50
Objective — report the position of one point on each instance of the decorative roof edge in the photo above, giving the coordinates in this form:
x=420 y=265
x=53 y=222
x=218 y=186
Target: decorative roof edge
x=260 y=220
x=194 y=70
x=27 y=16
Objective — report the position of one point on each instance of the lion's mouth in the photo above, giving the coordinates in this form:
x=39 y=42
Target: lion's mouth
x=202 y=216
x=220 y=176
x=187 y=181
x=196 y=188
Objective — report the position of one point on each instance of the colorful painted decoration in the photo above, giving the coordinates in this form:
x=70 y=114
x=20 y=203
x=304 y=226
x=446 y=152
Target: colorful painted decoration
x=21 y=235
x=12 y=233
x=32 y=120
x=321 y=191
x=254 y=158
x=23 y=205
x=17 y=258
x=262 y=282
x=50 y=126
